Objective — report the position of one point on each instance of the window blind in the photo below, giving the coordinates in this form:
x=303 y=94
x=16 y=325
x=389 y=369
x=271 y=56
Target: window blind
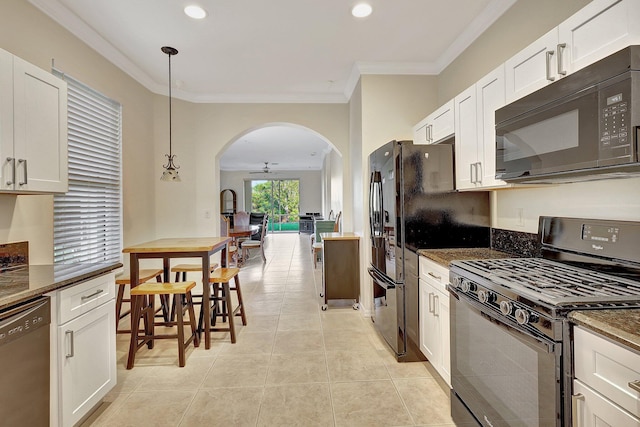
x=87 y=224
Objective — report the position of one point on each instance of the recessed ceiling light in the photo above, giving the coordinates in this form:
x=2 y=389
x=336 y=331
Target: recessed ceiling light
x=361 y=10
x=195 y=12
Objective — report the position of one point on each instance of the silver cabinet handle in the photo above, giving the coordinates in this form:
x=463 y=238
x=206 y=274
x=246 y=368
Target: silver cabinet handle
x=479 y=173
x=635 y=385
x=430 y=302
x=574 y=408
x=71 y=346
x=439 y=278
x=13 y=170
x=98 y=292
x=471 y=167
x=549 y=76
x=436 y=303
x=559 y=49
x=26 y=174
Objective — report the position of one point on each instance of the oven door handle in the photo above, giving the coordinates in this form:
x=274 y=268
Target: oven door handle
x=381 y=280
x=511 y=328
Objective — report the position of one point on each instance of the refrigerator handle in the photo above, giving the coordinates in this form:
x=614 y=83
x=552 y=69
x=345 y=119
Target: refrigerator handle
x=371 y=207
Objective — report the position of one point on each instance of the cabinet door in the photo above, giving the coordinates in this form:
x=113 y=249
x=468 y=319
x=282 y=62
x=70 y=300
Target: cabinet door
x=421 y=133
x=40 y=129
x=442 y=122
x=594 y=410
x=429 y=331
x=597 y=30
x=87 y=361
x=6 y=120
x=442 y=316
x=532 y=68
x=490 y=94
x=466 y=140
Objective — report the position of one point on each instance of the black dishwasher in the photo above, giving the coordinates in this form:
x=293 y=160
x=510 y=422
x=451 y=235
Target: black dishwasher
x=24 y=360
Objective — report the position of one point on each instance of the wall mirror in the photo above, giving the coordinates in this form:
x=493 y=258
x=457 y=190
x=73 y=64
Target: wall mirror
x=227 y=201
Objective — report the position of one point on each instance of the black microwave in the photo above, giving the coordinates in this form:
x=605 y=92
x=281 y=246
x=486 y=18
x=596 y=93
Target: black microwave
x=584 y=126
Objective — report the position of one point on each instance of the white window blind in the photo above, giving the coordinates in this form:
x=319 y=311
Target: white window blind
x=87 y=224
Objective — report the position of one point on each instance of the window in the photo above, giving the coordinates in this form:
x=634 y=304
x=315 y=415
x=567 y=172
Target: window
x=87 y=224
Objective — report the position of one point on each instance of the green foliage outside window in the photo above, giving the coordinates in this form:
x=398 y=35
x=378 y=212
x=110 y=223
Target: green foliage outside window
x=279 y=198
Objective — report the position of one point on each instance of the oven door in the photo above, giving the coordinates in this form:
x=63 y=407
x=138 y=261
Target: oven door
x=503 y=376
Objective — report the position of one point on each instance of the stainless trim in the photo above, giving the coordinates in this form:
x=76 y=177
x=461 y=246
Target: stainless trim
x=574 y=409
x=26 y=173
x=13 y=170
x=434 y=276
x=97 y=292
x=635 y=385
x=560 y=48
x=71 y=353
x=549 y=54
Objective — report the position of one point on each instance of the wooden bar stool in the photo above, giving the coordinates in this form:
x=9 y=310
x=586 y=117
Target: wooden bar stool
x=181 y=271
x=123 y=280
x=142 y=297
x=222 y=277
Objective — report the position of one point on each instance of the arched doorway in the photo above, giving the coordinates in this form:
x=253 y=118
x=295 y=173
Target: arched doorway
x=278 y=158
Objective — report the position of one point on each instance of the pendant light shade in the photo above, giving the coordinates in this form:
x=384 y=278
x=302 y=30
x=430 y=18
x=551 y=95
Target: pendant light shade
x=170 y=169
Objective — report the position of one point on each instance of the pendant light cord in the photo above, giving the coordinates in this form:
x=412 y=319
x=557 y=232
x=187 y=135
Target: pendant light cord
x=170 y=132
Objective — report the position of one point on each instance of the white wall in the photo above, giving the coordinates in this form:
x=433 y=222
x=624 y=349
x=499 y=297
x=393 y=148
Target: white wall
x=310 y=187
x=607 y=199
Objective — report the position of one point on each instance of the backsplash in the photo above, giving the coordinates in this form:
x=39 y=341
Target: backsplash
x=14 y=254
x=515 y=242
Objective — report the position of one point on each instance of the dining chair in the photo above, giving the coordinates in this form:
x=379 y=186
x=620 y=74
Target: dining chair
x=241 y=218
x=336 y=226
x=253 y=244
x=225 y=225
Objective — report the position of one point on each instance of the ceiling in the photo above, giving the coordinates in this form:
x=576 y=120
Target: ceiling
x=274 y=51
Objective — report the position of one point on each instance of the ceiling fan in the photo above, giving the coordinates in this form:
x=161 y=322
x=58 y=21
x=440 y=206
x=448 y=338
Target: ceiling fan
x=265 y=169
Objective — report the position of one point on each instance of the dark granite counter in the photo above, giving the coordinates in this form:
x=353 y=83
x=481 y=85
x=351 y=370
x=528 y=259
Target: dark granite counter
x=24 y=283
x=620 y=325
x=445 y=256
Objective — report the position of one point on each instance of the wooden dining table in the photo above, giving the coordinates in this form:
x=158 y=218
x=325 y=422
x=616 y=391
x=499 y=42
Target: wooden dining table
x=166 y=249
x=242 y=231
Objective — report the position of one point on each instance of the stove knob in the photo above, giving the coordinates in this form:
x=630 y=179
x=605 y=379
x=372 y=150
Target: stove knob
x=506 y=308
x=486 y=297
x=524 y=316
x=457 y=281
x=468 y=286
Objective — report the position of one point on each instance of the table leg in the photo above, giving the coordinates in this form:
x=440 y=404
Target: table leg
x=134 y=279
x=206 y=303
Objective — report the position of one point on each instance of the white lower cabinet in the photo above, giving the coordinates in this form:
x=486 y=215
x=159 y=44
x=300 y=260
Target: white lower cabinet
x=85 y=348
x=602 y=391
x=434 y=317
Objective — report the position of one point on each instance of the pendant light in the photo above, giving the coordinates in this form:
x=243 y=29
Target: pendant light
x=171 y=170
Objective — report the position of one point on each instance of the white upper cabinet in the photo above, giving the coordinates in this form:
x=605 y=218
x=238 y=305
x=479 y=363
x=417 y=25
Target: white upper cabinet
x=33 y=121
x=475 y=135
x=436 y=127
x=532 y=68
x=466 y=139
x=599 y=29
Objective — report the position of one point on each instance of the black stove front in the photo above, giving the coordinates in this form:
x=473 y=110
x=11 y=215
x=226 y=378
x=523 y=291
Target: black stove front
x=509 y=339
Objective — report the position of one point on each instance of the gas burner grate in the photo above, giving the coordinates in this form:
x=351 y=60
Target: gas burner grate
x=554 y=282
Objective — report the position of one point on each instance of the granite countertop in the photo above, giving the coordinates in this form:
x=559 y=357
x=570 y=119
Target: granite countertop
x=27 y=282
x=621 y=325
x=445 y=256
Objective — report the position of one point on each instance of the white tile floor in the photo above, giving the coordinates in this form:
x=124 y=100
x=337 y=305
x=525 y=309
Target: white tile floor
x=293 y=364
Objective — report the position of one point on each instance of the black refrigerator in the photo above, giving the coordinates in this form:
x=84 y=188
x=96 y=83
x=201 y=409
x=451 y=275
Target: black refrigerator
x=413 y=205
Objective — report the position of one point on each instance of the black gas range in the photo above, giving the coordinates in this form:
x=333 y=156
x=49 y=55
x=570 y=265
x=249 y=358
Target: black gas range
x=510 y=337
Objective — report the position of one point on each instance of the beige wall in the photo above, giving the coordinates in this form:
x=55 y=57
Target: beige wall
x=29 y=34
x=201 y=133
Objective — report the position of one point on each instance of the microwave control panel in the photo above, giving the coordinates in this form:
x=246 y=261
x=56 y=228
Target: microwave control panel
x=615 y=121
